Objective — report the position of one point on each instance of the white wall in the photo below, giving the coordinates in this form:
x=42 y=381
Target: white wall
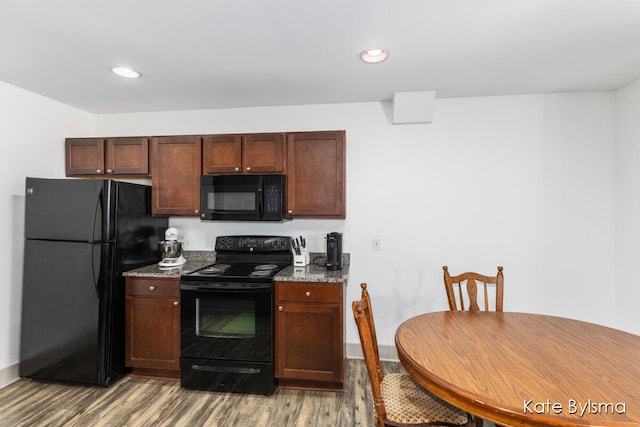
x=526 y=182
x=628 y=207
x=32 y=132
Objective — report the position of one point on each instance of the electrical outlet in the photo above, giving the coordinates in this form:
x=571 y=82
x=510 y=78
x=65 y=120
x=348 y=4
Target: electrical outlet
x=208 y=241
x=377 y=244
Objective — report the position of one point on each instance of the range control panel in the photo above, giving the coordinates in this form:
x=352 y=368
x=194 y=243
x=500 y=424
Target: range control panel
x=253 y=243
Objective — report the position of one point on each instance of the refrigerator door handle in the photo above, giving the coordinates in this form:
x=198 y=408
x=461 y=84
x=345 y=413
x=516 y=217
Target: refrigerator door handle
x=95 y=280
x=97 y=216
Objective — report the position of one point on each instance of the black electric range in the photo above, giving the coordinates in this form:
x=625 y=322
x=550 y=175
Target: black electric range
x=227 y=317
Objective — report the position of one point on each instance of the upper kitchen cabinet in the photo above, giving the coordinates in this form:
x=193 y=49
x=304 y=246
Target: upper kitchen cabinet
x=175 y=175
x=250 y=153
x=114 y=156
x=316 y=174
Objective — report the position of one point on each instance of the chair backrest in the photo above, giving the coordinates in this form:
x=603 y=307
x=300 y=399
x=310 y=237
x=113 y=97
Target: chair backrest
x=366 y=328
x=467 y=283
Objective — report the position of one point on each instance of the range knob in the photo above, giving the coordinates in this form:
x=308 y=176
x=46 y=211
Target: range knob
x=223 y=243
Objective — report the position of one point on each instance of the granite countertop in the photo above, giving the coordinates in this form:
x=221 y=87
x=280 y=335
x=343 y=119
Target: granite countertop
x=199 y=259
x=195 y=261
x=314 y=272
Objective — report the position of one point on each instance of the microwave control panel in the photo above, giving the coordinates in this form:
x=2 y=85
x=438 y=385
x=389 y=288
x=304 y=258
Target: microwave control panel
x=272 y=198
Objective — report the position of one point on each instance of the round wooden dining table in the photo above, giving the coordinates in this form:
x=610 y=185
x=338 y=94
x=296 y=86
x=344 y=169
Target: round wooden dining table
x=521 y=369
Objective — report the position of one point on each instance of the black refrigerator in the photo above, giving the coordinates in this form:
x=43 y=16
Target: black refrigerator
x=80 y=236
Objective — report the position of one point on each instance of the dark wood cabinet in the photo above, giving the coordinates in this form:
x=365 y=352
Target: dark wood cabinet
x=250 y=153
x=309 y=335
x=316 y=174
x=313 y=162
x=152 y=319
x=112 y=156
x=175 y=175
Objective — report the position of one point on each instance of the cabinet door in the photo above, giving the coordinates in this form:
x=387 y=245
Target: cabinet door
x=316 y=175
x=263 y=153
x=251 y=153
x=84 y=156
x=153 y=333
x=221 y=154
x=152 y=318
x=175 y=175
x=127 y=156
x=309 y=342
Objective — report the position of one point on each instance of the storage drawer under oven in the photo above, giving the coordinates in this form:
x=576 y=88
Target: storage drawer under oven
x=227 y=375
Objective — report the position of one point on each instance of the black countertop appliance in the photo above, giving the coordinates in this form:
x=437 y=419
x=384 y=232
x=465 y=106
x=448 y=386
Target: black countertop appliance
x=334 y=251
x=80 y=236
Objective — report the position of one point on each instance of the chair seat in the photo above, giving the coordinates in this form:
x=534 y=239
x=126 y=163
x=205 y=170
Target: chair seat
x=407 y=402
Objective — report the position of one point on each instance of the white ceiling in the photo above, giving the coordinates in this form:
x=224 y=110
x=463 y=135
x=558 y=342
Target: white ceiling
x=200 y=54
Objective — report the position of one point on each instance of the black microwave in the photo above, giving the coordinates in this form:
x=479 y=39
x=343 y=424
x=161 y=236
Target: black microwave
x=242 y=197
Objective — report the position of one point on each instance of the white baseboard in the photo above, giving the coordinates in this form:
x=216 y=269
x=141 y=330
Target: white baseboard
x=9 y=375
x=387 y=352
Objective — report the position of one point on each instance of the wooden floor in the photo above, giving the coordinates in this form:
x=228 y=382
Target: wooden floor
x=146 y=402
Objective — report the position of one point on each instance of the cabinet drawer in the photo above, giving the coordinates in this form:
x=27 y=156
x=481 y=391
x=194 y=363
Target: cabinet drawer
x=308 y=292
x=153 y=287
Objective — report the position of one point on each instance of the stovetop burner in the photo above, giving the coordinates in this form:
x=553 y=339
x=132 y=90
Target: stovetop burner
x=214 y=269
x=260 y=273
x=266 y=267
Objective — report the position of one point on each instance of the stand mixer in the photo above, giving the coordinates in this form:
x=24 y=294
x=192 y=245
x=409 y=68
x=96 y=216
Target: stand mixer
x=171 y=248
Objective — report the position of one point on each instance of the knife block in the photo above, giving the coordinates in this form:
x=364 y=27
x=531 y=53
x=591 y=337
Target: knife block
x=301 y=260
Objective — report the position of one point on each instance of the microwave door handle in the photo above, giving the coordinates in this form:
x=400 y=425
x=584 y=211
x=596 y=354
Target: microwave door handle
x=261 y=197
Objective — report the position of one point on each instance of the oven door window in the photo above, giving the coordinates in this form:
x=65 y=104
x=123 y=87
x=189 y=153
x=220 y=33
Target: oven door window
x=225 y=319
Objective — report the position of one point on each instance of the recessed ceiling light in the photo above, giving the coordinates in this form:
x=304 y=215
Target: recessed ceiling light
x=373 y=55
x=126 y=72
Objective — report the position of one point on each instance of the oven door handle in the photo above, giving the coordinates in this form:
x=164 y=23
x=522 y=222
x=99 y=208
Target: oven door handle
x=225 y=369
x=225 y=286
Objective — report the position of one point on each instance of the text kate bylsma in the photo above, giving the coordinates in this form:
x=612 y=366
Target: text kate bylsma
x=574 y=407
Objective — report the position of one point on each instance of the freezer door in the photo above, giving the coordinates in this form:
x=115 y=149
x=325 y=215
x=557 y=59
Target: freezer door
x=64 y=209
x=64 y=312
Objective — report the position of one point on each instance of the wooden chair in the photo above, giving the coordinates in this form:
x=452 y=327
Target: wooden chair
x=453 y=283
x=398 y=400
x=470 y=280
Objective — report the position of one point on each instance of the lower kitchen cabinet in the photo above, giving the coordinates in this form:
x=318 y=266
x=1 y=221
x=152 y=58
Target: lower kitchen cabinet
x=152 y=319
x=309 y=337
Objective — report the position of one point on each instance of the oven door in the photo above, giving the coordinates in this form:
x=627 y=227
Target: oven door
x=232 y=321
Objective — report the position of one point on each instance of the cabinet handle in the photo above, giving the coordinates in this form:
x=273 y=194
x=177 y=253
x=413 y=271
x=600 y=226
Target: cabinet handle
x=175 y=303
x=152 y=288
x=109 y=171
x=290 y=211
x=196 y=211
x=248 y=168
x=237 y=169
x=308 y=293
x=98 y=170
x=280 y=308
